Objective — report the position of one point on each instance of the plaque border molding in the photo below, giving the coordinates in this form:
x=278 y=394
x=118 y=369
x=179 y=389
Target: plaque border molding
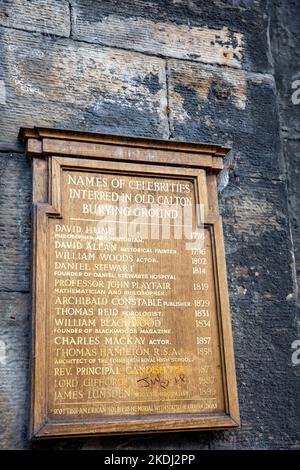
x=52 y=151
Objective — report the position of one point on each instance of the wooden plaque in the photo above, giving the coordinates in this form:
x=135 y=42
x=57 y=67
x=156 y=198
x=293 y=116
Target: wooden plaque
x=131 y=323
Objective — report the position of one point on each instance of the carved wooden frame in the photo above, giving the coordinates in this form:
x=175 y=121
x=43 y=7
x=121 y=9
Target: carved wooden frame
x=52 y=151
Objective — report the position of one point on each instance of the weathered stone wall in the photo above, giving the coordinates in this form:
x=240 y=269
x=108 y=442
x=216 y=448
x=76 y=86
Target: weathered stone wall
x=185 y=70
x=285 y=37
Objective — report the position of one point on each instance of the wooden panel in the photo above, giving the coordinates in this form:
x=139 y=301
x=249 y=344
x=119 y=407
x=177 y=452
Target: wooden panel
x=40 y=180
x=43 y=133
x=117 y=152
x=131 y=316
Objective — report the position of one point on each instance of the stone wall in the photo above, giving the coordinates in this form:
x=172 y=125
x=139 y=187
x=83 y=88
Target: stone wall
x=176 y=69
x=285 y=37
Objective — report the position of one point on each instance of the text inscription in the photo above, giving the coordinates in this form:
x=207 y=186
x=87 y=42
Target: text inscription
x=133 y=326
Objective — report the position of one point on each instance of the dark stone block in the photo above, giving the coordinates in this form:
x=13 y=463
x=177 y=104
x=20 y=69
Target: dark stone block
x=14 y=384
x=59 y=83
x=15 y=222
x=246 y=17
x=230 y=107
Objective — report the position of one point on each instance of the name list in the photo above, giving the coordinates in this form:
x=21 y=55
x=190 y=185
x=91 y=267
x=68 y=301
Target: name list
x=132 y=326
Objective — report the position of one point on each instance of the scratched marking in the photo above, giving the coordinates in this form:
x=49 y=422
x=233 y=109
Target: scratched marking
x=161 y=381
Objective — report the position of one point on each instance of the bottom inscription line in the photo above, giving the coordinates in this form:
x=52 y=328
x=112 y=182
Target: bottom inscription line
x=134 y=401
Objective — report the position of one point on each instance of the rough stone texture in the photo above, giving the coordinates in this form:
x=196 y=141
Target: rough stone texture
x=259 y=265
x=14 y=377
x=291 y=149
x=60 y=83
x=167 y=441
x=229 y=106
x=219 y=46
x=110 y=87
x=45 y=16
x=243 y=18
x=15 y=226
x=285 y=36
